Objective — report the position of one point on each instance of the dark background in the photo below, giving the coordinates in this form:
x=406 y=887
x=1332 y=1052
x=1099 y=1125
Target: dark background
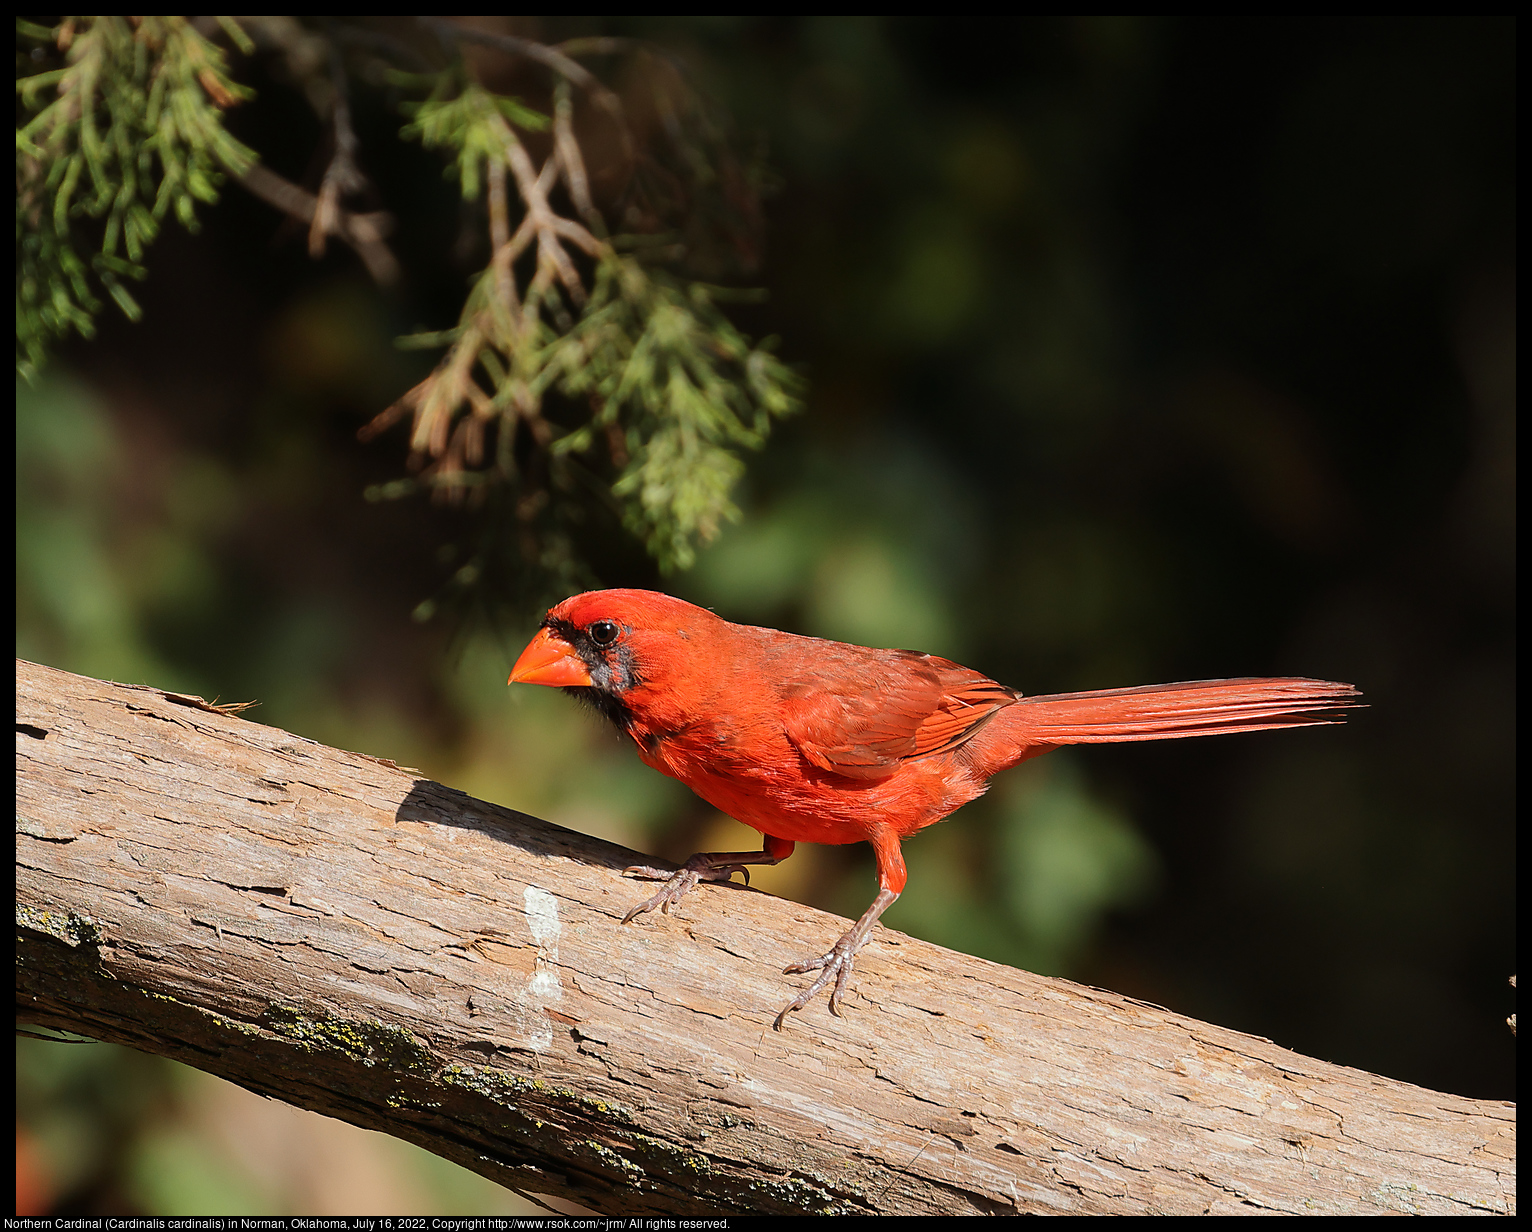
x=1137 y=351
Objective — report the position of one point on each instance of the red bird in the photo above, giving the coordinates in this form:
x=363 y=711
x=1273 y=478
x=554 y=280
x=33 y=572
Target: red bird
x=823 y=742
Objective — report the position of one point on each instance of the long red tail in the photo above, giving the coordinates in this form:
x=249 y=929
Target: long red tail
x=1191 y=708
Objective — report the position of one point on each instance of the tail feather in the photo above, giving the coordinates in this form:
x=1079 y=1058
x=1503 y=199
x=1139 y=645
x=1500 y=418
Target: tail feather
x=1191 y=708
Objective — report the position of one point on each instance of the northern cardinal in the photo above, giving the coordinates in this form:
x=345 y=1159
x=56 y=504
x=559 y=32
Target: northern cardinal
x=814 y=741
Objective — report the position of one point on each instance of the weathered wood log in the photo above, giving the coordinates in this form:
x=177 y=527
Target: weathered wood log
x=331 y=930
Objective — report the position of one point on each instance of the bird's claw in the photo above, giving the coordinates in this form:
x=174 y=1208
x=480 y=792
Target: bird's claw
x=679 y=882
x=835 y=963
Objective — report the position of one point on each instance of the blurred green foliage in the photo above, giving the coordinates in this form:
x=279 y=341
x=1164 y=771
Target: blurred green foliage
x=79 y=1105
x=1139 y=350
x=79 y=598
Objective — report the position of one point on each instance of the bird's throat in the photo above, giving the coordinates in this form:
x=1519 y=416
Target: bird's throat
x=607 y=704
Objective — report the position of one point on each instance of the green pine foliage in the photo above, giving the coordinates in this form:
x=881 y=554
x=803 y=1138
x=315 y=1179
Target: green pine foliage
x=127 y=130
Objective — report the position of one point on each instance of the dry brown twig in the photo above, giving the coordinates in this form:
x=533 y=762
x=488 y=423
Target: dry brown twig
x=364 y=232
x=343 y=175
x=503 y=321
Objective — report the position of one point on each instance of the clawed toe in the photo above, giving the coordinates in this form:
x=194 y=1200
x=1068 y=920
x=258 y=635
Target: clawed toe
x=669 y=894
x=681 y=881
x=678 y=882
x=835 y=964
x=648 y=873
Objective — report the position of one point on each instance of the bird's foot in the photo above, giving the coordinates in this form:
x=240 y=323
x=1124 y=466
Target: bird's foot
x=834 y=964
x=681 y=881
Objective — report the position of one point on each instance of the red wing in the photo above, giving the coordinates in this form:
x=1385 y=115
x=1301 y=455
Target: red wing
x=862 y=716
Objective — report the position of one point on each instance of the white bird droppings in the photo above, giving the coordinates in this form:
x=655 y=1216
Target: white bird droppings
x=543 y=916
x=543 y=985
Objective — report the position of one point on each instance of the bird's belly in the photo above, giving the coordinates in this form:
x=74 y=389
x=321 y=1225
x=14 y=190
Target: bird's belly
x=808 y=805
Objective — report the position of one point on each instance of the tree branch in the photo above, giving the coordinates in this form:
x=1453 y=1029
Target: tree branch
x=335 y=931
x=364 y=232
x=343 y=175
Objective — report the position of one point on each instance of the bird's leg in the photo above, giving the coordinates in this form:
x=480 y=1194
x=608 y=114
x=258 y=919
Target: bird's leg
x=835 y=963
x=704 y=866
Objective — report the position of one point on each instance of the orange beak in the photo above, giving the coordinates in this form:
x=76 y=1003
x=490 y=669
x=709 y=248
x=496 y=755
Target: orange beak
x=549 y=660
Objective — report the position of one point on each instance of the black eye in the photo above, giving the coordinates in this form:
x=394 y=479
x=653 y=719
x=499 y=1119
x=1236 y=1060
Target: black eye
x=603 y=632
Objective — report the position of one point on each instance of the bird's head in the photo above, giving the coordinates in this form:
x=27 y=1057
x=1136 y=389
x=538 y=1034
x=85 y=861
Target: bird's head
x=618 y=649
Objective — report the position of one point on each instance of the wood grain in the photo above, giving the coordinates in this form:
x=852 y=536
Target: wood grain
x=332 y=930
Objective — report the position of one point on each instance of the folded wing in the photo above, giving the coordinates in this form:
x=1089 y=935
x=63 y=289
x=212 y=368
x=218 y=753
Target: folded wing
x=863 y=715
